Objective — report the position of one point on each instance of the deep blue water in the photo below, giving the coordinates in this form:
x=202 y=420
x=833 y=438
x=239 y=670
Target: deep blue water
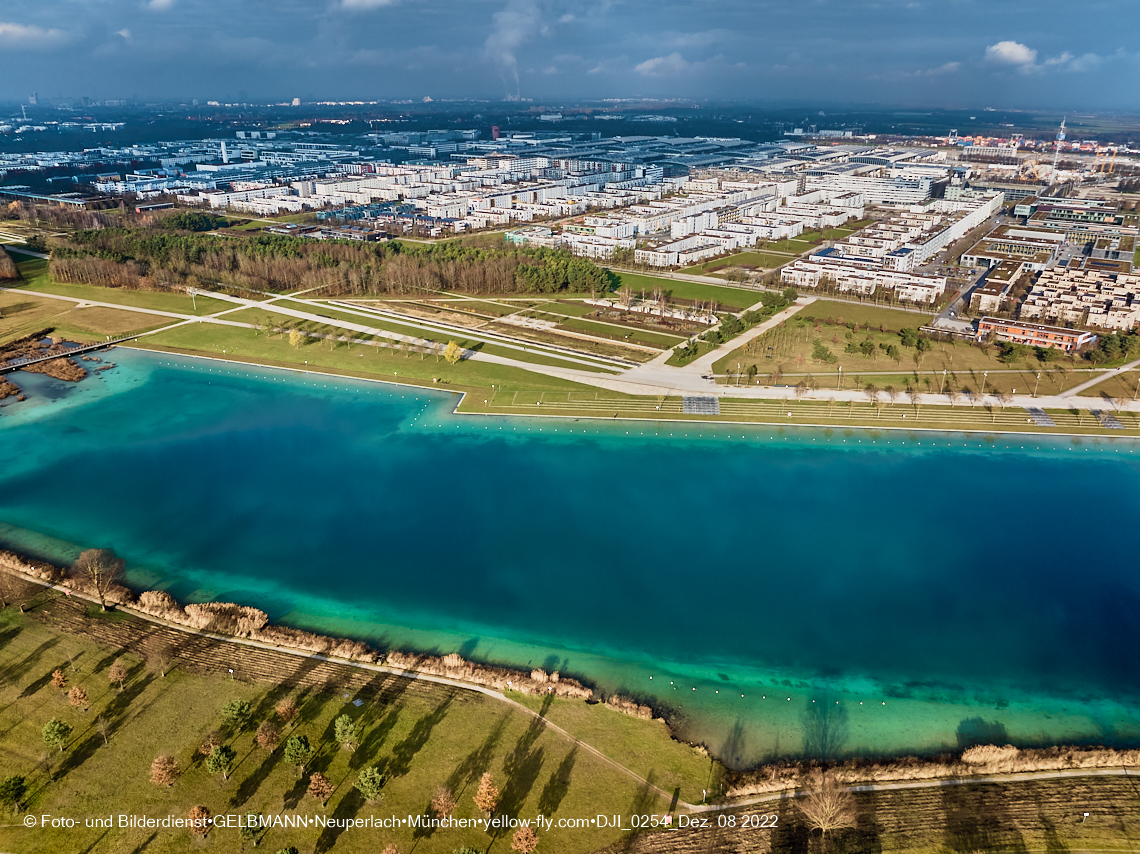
x=962 y=581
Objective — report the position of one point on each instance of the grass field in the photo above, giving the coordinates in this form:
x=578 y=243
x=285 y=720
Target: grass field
x=1125 y=386
x=381 y=363
x=866 y=315
x=36 y=279
x=259 y=315
x=23 y=314
x=734 y=299
x=422 y=738
x=791 y=347
x=742 y=259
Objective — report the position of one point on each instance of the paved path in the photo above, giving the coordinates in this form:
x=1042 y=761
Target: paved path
x=939 y=782
x=27 y=251
x=81 y=302
x=1097 y=380
x=379 y=668
x=704 y=364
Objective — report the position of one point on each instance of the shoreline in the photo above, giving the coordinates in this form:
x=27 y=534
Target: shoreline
x=441 y=409
x=635 y=418
x=739 y=789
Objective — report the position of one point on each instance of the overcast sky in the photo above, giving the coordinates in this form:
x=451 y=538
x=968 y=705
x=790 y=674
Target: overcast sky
x=970 y=53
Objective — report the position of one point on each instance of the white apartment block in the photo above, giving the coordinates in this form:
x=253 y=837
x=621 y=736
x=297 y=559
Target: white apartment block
x=1084 y=297
x=861 y=276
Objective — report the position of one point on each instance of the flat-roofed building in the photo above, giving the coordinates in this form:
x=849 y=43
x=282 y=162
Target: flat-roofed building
x=1034 y=334
x=993 y=294
x=1086 y=297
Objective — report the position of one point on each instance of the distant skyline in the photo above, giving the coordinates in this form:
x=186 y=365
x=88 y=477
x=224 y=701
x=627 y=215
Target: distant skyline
x=939 y=53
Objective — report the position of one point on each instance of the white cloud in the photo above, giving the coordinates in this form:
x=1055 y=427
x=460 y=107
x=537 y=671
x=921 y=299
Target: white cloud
x=566 y=19
x=944 y=68
x=161 y=5
x=26 y=36
x=1020 y=56
x=1068 y=62
x=125 y=33
x=662 y=66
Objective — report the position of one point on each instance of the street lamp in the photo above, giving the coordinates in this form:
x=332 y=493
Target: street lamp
x=839 y=381
x=943 y=383
x=1137 y=388
x=984 y=375
x=1037 y=384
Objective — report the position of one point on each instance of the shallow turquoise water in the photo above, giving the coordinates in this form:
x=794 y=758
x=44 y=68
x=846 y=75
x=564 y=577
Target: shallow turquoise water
x=926 y=590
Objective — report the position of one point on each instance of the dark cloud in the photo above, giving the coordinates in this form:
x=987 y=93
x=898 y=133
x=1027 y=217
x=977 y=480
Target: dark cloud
x=1016 y=53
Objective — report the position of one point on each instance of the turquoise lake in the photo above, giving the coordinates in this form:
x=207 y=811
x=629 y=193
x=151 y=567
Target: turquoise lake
x=781 y=593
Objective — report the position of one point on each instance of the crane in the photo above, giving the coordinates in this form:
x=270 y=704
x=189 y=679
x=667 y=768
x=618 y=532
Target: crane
x=1057 y=150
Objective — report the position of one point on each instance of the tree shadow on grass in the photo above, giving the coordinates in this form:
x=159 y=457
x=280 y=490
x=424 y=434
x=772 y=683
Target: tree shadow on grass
x=558 y=785
x=77 y=755
x=400 y=762
x=643 y=802
x=145 y=844
x=978 y=819
x=16 y=671
x=249 y=786
x=473 y=765
x=349 y=806
x=267 y=703
x=7 y=635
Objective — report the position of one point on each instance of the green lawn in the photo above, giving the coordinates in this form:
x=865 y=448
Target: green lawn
x=361 y=360
x=866 y=315
x=157 y=300
x=258 y=315
x=742 y=259
x=423 y=738
x=636 y=336
x=734 y=299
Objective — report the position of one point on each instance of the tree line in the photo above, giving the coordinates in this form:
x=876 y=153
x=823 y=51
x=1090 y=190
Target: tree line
x=164 y=258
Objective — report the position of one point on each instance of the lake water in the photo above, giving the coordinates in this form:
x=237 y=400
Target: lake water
x=782 y=593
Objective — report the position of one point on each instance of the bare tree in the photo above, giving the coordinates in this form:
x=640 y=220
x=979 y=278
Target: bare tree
x=286 y=710
x=625 y=297
x=826 y=806
x=892 y=393
x=320 y=789
x=268 y=735
x=915 y=398
x=100 y=569
x=525 y=840
x=15 y=590
x=872 y=392
x=199 y=820
x=118 y=672
x=443 y=802
x=158 y=654
x=487 y=797
x=212 y=740
x=77 y=696
x=59 y=679
x=164 y=771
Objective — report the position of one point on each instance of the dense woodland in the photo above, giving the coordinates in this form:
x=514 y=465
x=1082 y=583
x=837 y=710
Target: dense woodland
x=163 y=258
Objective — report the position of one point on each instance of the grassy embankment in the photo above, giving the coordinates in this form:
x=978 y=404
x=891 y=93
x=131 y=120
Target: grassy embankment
x=510 y=390
x=421 y=735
